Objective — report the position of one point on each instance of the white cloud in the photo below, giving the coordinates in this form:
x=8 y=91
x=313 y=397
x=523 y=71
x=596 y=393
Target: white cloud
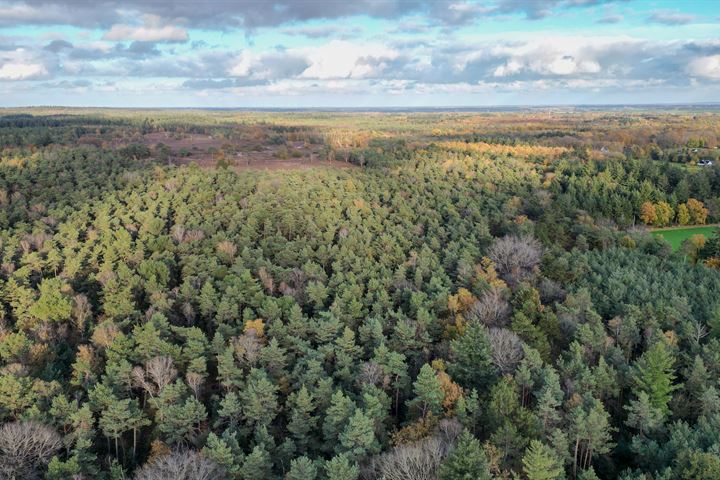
x=342 y=59
x=558 y=56
x=244 y=64
x=22 y=71
x=151 y=31
x=20 y=64
x=706 y=67
x=337 y=59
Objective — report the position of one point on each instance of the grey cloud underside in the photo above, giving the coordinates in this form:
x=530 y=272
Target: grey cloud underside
x=324 y=31
x=610 y=19
x=455 y=63
x=671 y=18
x=251 y=14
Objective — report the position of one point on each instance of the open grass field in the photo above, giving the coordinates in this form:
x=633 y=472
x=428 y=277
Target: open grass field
x=676 y=236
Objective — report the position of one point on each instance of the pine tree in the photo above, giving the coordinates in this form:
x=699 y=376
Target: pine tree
x=642 y=415
x=358 y=438
x=336 y=418
x=302 y=468
x=180 y=421
x=654 y=374
x=225 y=451
x=549 y=399
x=591 y=430
x=257 y=465
x=541 y=463
x=302 y=422
x=467 y=461
x=428 y=390
x=259 y=398
x=395 y=367
x=116 y=420
x=471 y=365
x=341 y=468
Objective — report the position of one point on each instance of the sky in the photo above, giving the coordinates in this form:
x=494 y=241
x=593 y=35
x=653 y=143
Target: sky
x=358 y=53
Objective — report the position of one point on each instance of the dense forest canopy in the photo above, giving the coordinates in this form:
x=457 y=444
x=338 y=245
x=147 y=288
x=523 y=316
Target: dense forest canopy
x=344 y=296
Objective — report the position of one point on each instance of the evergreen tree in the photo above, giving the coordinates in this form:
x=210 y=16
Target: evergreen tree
x=471 y=358
x=467 y=461
x=302 y=423
x=643 y=415
x=540 y=462
x=302 y=468
x=259 y=398
x=358 y=438
x=257 y=465
x=341 y=468
x=654 y=375
x=428 y=390
x=336 y=418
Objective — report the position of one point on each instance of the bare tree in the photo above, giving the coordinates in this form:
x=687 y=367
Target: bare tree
x=247 y=348
x=371 y=373
x=415 y=461
x=419 y=460
x=81 y=311
x=194 y=381
x=267 y=280
x=181 y=465
x=491 y=309
x=515 y=257
x=507 y=349
x=178 y=233
x=161 y=371
x=26 y=448
x=157 y=374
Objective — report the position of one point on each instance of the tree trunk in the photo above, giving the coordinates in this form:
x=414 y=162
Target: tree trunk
x=575 y=458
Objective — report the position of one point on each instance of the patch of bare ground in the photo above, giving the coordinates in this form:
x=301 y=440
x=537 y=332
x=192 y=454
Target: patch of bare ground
x=207 y=151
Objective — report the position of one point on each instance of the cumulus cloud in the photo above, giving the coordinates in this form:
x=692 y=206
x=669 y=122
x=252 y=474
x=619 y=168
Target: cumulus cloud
x=419 y=52
x=341 y=59
x=20 y=64
x=706 y=67
x=22 y=71
x=152 y=30
x=332 y=60
x=548 y=58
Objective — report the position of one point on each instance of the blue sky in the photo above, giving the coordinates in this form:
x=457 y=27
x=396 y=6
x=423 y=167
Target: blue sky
x=365 y=53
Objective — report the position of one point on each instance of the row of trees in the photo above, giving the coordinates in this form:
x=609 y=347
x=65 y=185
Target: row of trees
x=661 y=214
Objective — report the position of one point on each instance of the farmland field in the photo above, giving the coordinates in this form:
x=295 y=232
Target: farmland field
x=676 y=236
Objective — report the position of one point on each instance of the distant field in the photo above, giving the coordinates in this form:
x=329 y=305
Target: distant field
x=676 y=236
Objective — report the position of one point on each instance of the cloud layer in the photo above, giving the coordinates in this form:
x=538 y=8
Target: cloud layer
x=382 y=49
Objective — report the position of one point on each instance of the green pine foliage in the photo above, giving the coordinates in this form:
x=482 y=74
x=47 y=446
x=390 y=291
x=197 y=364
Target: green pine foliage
x=464 y=298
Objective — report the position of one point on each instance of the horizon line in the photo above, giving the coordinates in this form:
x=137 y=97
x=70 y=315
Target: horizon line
x=711 y=104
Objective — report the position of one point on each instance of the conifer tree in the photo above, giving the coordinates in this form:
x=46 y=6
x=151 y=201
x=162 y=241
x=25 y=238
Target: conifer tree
x=541 y=463
x=654 y=374
x=428 y=392
x=302 y=423
x=471 y=358
x=467 y=461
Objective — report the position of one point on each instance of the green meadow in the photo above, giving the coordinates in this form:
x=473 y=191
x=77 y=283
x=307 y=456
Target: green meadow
x=676 y=236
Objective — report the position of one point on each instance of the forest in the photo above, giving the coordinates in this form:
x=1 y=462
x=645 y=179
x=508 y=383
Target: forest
x=308 y=295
